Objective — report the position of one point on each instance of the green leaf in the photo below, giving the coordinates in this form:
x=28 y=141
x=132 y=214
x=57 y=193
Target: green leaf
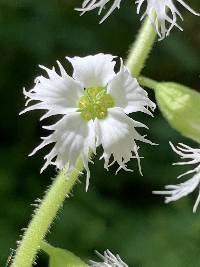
x=180 y=105
x=61 y=258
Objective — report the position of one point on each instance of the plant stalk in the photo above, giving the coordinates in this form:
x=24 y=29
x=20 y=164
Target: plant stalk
x=44 y=216
x=141 y=48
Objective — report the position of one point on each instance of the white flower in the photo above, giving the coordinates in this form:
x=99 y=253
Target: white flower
x=109 y=260
x=162 y=13
x=93 y=104
x=175 y=192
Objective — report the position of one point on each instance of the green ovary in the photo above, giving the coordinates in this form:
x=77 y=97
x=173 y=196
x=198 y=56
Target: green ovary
x=95 y=103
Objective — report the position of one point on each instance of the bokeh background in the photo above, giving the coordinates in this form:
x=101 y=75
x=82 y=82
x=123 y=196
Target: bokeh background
x=119 y=212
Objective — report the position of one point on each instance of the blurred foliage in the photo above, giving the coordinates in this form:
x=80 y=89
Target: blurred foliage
x=119 y=212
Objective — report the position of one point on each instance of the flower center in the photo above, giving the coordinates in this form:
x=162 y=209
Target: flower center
x=95 y=103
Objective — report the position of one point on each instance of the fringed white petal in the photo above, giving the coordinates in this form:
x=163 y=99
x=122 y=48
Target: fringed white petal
x=186 y=152
x=128 y=95
x=175 y=192
x=93 y=71
x=117 y=135
x=89 y=5
x=109 y=260
x=73 y=137
x=163 y=14
x=57 y=94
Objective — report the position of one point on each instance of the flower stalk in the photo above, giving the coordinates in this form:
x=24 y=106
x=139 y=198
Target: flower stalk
x=141 y=48
x=44 y=215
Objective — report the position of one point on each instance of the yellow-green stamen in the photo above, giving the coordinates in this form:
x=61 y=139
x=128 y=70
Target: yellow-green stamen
x=94 y=103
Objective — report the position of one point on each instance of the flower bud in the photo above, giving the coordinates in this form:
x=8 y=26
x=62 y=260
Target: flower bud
x=61 y=257
x=180 y=105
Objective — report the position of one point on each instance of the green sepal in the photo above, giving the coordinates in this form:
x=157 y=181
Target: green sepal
x=59 y=257
x=180 y=105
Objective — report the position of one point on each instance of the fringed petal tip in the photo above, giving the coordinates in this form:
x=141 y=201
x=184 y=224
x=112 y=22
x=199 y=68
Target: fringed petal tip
x=121 y=147
x=108 y=259
x=99 y=4
x=178 y=191
x=163 y=15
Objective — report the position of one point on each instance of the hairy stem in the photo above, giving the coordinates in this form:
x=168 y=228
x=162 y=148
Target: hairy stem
x=44 y=216
x=141 y=48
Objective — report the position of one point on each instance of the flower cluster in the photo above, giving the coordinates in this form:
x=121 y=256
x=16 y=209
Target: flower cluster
x=94 y=104
x=175 y=192
x=109 y=260
x=162 y=13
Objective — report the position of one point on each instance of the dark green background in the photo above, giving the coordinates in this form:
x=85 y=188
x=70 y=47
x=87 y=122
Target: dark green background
x=119 y=212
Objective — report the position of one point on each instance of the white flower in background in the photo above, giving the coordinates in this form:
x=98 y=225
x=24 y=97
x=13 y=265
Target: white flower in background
x=162 y=13
x=89 y=5
x=94 y=103
x=175 y=192
x=109 y=260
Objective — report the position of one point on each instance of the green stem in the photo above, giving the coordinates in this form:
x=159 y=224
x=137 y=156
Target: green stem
x=44 y=216
x=141 y=48
x=147 y=82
